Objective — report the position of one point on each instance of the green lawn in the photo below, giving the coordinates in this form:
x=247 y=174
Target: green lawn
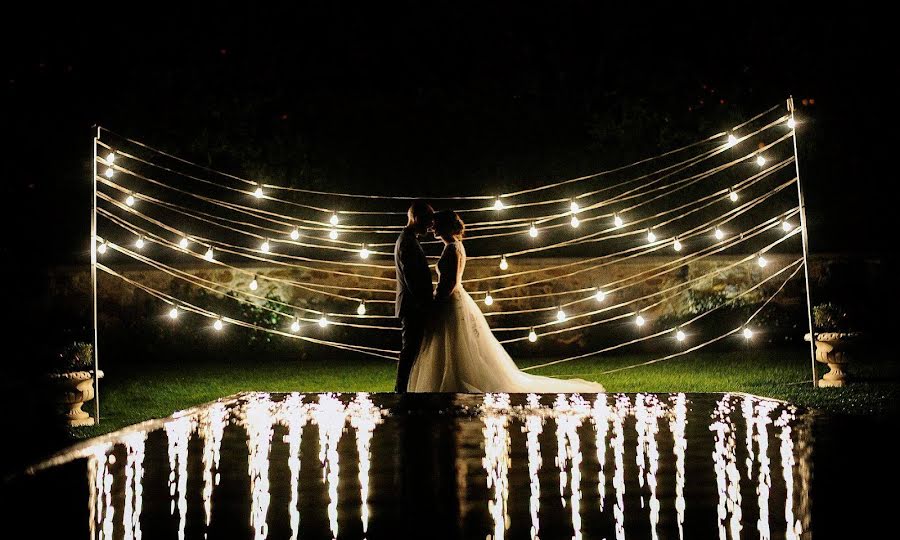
x=133 y=394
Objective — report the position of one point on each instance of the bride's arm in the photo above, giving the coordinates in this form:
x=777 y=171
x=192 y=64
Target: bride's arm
x=448 y=265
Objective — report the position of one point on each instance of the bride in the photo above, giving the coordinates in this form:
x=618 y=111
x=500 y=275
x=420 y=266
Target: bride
x=459 y=353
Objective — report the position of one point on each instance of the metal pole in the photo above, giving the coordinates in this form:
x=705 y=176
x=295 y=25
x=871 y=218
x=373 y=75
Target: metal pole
x=94 y=277
x=805 y=236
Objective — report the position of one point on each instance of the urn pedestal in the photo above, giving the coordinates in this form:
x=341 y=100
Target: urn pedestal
x=836 y=350
x=71 y=391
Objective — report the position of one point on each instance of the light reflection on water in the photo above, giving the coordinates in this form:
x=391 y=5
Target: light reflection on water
x=643 y=465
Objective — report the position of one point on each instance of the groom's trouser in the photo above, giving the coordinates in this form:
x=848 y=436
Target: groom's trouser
x=412 y=331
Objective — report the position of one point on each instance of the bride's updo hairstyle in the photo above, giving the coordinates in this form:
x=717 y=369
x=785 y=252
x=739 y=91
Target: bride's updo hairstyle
x=447 y=223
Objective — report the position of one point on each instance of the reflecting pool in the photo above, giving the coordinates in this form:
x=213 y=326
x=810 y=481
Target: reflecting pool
x=496 y=466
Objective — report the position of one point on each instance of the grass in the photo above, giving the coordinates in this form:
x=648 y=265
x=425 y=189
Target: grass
x=134 y=394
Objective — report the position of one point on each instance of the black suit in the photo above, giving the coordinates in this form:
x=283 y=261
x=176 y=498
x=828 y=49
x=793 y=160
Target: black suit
x=414 y=297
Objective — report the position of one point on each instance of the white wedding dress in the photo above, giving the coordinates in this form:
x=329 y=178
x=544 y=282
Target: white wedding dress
x=459 y=353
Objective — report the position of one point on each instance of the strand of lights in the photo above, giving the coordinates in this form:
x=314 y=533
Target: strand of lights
x=254 y=284
x=364 y=252
x=173 y=313
x=719 y=233
x=676 y=245
x=323 y=321
x=640 y=320
x=762 y=261
x=258 y=193
x=503 y=264
x=129 y=200
x=361 y=308
x=139 y=243
x=747 y=333
x=561 y=314
x=295 y=234
x=209 y=256
x=574 y=207
x=184 y=242
x=498 y=205
x=574 y=222
x=732 y=195
x=786 y=226
x=760 y=160
x=218 y=325
x=265 y=247
x=334 y=220
x=600 y=296
x=101 y=249
x=651 y=236
x=680 y=335
x=533 y=231
x=295 y=325
x=488 y=299
x=532 y=336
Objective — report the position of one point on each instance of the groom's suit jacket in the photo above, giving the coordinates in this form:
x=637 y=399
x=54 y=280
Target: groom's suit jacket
x=413 y=276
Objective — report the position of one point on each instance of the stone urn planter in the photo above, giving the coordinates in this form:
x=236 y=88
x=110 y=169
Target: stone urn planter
x=70 y=391
x=836 y=350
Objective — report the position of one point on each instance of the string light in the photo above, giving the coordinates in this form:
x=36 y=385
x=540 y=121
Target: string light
x=264 y=247
x=323 y=321
x=209 y=254
x=748 y=333
x=184 y=242
x=575 y=223
x=101 y=249
x=364 y=252
x=533 y=231
x=618 y=221
x=361 y=308
x=786 y=226
x=109 y=172
x=295 y=234
x=600 y=295
x=295 y=326
x=732 y=140
x=498 y=204
x=560 y=315
x=762 y=262
x=111 y=157
x=139 y=243
x=791 y=123
x=254 y=284
x=129 y=200
x=574 y=207
x=503 y=264
x=334 y=220
x=680 y=335
x=732 y=195
x=639 y=320
x=532 y=336
x=719 y=234
x=173 y=313
x=677 y=245
x=651 y=236
x=760 y=160
x=258 y=193
x=489 y=300
x=333 y=234
x=218 y=325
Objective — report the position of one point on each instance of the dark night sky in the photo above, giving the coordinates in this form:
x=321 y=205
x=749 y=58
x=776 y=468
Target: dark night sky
x=454 y=96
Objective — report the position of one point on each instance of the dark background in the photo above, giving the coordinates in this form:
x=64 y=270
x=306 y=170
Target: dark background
x=436 y=97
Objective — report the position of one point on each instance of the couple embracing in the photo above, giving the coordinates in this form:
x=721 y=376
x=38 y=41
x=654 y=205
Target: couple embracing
x=447 y=343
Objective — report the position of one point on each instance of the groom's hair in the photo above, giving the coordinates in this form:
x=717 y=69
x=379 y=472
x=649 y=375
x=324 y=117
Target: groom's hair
x=418 y=210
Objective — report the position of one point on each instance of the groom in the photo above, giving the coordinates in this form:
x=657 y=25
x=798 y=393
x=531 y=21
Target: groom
x=414 y=291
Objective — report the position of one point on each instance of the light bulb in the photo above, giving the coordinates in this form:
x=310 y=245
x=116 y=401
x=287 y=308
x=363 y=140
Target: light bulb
x=209 y=254
x=173 y=313
x=258 y=193
x=503 y=264
x=109 y=172
x=574 y=207
x=129 y=200
x=762 y=262
x=639 y=320
x=719 y=234
x=600 y=296
x=498 y=204
x=791 y=123
x=254 y=284
x=760 y=160
x=323 y=321
x=364 y=252
x=334 y=220
x=532 y=336
x=733 y=195
x=218 y=324
x=677 y=245
x=680 y=336
x=139 y=243
x=560 y=315
x=361 y=308
x=618 y=221
x=786 y=226
x=295 y=326
x=732 y=140
x=184 y=242
x=748 y=333
x=101 y=249
x=295 y=234
x=264 y=247
x=533 y=232
x=575 y=223
x=488 y=300
x=333 y=234
x=651 y=236
x=110 y=157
